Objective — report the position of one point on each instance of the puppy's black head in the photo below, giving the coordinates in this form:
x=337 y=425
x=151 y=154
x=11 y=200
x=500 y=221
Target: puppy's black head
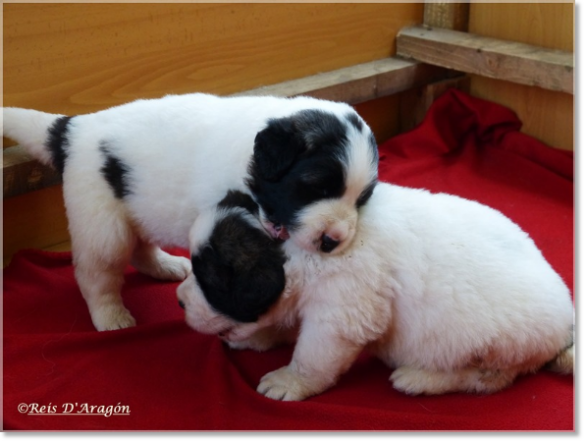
x=307 y=157
x=240 y=270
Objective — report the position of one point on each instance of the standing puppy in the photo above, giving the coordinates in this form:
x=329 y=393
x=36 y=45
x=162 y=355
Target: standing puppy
x=136 y=177
x=450 y=293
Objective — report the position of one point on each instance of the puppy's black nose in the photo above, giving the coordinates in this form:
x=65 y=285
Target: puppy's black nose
x=328 y=244
x=181 y=305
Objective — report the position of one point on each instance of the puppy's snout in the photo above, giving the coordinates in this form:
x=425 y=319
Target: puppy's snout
x=328 y=244
x=181 y=305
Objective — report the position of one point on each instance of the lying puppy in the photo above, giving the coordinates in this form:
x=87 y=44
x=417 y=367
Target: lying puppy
x=238 y=276
x=136 y=176
x=450 y=293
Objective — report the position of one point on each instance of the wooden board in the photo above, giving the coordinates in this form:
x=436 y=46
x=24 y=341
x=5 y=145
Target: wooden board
x=358 y=83
x=79 y=58
x=516 y=62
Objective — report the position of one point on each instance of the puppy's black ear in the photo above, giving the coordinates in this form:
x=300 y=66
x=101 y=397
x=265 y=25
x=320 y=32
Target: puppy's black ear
x=276 y=147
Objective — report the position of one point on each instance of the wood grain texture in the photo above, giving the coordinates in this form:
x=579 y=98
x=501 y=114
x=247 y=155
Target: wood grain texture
x=550 y=69
x=79 y=58
x=546 y=115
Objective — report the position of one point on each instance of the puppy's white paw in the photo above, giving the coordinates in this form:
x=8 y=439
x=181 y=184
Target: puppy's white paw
x=174 y=268
x=407 y=380
x=112 y=317
x=166 y=267
x=161 y=265
x=284 y=384
x=258 y=344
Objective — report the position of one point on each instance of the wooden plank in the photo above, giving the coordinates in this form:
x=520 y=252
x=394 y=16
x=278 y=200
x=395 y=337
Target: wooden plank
x=352 y=85
x=500 y=59
x=358 y=83
x=446 y=15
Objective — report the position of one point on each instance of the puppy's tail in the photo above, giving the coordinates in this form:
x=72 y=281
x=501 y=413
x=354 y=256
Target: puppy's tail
x=43 y=135
x=564 y=361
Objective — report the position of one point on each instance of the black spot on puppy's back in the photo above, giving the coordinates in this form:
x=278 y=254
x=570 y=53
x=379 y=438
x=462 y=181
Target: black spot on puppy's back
x=115 y=172
x=58 y=142
x=356 y=121
x=240 y=271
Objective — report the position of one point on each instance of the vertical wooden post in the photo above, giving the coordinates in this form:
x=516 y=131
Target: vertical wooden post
x=446 y=15
x=415 y=102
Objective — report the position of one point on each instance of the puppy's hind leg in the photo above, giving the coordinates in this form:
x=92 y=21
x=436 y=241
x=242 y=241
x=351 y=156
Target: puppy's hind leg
x=151 y=260
x=417 y=381
x=102 y=243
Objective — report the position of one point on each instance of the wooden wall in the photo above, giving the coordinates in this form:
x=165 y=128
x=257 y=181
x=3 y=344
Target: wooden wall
x=79 y=58
x=548 y=116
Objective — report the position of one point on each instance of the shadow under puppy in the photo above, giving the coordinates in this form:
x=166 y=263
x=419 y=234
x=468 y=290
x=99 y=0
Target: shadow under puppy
x=450 y=293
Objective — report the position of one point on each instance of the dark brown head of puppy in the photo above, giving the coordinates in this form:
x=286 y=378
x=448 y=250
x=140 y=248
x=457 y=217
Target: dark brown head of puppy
x=240 y=269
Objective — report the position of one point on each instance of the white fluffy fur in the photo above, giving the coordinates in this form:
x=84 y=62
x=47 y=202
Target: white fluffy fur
x=185 y=152
x=449 y=292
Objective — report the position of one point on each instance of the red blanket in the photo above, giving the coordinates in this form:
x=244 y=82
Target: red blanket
x=59 y=373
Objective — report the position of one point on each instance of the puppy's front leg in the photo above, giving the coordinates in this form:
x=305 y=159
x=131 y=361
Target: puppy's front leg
x=322 y=354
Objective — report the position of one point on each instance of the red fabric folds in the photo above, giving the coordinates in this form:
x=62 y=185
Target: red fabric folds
x=161 y=375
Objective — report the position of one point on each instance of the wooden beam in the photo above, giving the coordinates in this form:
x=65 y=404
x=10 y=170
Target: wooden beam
x=446 y=15
x=354 y=84
x=358 y=83
x=516 y=62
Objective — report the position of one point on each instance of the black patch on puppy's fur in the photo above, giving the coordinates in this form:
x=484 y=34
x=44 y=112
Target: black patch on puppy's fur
x=240 y=270
x=356 y=122
x=116 y=172
x=298 y=160
x=237 y=199
x=57 y=142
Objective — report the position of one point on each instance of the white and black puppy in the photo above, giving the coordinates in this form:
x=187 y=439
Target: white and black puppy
x=450 y=293
x=136 y=176
x=238 y=266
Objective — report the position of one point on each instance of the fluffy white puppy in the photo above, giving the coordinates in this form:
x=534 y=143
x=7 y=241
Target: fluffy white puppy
x=450 y=293
x=136 y=176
